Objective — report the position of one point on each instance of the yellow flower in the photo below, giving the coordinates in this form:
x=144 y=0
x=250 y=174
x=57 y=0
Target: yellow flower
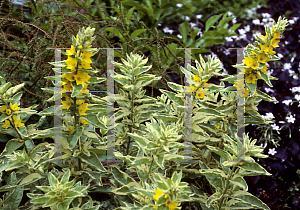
x=264 y=69
x=89 y=45
x=159 y=145
x=80 y=47
x=172 y=205
x=3 y=96
x=77 y=38
x=166 y=196
x=67 y=87
x=155 y=207
x=84 y=121
x=251 y=62
x=3 y=108
x=250 y=79
x=71 y=51
x=264 y=37
x=83 y=108
x=8 y=111
x=69 y=77
x=277 y=35
x=158 y=193
x=86 y=56
x=17 y=121
x=14 y=107
x=262 y=58
x=274 y=42
x=157 y=153
x=82 y=78
x=71 y=62
x=79 y=102
x=21 y=141
x=85 y=65
x=249 y=70
x=66 y=103
x=200 y=94
x=6 y=125
x=71 y=128
x=218 y=127
x=197 y=79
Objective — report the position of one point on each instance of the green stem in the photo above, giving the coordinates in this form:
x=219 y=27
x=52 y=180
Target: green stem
x=149 y=169
x=226 y=187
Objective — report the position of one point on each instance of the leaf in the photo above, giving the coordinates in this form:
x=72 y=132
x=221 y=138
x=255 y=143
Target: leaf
x=121 y=177
x=137 y=32
x=30 y=179
x=235 y=26
x=172 y=97
x=93 y=161
x=211 y=21
x=249 y=199
x=74 y=137
x=165 y=117
x=13 y=200
x=11 y=146
x=141 y=160
x=265 y=77
x=252 y=87
x=253 y=168
x=220 y=152
x=14 y=89
x=93 y=119
x=214 y=197
x=4 y=87
x=184 y=30
x=47 y=112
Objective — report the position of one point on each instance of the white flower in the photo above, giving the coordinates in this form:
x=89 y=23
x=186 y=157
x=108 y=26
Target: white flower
x=192 y=24
x=179 y=5
x=269 y=90
x=228 y=39
x=179 y=36
x=234 y=20
x=287 y=66
x=279 y=55
x=199 y=16
x=297 y=97
x=295 y=89
x=256 y=22
x=287 y=102
x=167 y=30
x=230 y=13
x=272 y=151
x=241 y=31
x=290 y=119
x=275 y=127
x=247 y=28
x=159 y=24
x=268 y=116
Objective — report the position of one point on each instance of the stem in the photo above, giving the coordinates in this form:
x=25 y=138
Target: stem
x=150 y=169
x=226 y=187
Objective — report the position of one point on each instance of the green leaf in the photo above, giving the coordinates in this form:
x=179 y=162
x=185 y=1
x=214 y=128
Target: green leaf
x=4 y=87
x=14 y=89
x=249 y=199
x=214 y=197
x=30 y=179
x=141 y=160
x=184 y=30
x=121 y=177
x=52 y=179
x=252 y=87
x=13 y=200
x=74 y=137
x=165 y=117
x=137 y=32
x=96 y=80
x=211 y=21
x=220 y=152
x=177 y=88
x=11 y=146
x=47 y=112
x=93 y=161
x=235 y=26
x=265 y=77
x=253 y=168
x=172 y=97
x=93 y=119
